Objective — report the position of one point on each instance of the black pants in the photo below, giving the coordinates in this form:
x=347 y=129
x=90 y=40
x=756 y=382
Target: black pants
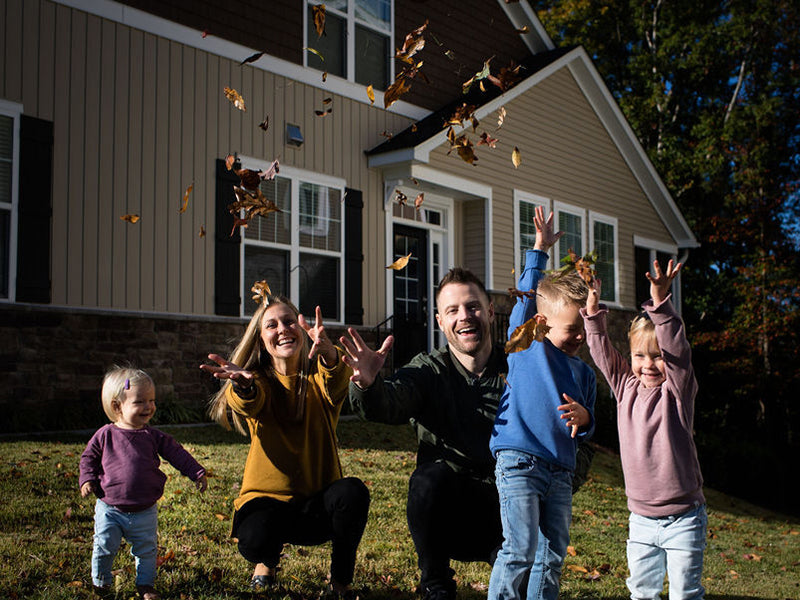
x=337 y=513
x=451 y=516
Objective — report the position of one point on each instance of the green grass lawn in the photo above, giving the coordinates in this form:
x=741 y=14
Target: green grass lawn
x=46 y=529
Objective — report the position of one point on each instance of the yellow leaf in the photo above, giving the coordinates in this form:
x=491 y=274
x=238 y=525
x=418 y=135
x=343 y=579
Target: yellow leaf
x=202 y=232
x=185 y=203
x=234 y=97
x=571 y=551
x=371 y=94
x=400 y=263
x=322 y=58
x=516 y=157
x=577 y=568
x=130 y=218
x=220 y=516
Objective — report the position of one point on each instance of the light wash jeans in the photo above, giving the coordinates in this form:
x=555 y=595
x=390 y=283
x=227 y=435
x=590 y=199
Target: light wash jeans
x=141 y=531
x=535 y=500
x=671 y=545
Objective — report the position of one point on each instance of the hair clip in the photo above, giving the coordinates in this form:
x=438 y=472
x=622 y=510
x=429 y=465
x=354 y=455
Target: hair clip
x=261 y=291
x=127 y=384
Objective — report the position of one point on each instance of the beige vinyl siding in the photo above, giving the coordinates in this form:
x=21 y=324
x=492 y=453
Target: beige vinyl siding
x=474 y=227
x=137 y=118
x=567 y=156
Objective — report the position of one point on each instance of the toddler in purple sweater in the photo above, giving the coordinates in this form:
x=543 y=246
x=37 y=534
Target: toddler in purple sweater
x=655 y=414
x=120 y=467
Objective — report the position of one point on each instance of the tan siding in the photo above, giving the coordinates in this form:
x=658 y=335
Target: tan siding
x=47 y=61
x=147 y=201
x=12 y=90
x=135 y=284
x=30 y=54
x=91 y=159
x=474 y=237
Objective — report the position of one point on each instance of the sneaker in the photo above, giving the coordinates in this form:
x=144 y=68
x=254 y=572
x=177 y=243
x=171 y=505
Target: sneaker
x=263 y=582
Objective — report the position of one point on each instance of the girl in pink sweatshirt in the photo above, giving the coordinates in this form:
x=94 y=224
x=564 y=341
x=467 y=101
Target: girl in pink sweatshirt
x=655 y=396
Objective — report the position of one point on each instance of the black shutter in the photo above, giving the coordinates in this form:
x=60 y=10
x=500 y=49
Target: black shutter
x=353 y=257
x=227 y=300
x=35 y=210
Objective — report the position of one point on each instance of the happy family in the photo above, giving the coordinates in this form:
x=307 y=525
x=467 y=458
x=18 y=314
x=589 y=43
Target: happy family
x=501 y=440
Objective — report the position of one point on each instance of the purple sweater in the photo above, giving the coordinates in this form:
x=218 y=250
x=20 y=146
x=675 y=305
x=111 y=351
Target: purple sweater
x=659 y=458
x=125 y=463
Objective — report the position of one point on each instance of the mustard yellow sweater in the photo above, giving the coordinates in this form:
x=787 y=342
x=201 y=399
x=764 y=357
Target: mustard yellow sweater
x=292 y=457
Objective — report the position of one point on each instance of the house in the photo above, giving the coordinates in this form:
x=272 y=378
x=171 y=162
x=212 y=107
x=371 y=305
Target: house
x=112 y=108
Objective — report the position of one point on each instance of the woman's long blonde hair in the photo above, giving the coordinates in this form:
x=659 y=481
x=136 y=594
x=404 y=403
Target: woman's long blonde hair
x=250 y=354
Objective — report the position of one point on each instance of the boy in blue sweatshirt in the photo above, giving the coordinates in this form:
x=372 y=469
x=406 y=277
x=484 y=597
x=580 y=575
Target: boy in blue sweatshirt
x=547 y=405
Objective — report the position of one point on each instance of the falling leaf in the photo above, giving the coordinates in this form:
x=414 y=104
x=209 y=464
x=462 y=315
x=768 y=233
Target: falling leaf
x=413 y=43
x=235 y=98
x=252 y=58
x=479 y=76
x=465 y=112
x=583 y=265
x=324 y=76
x=400 y=263
x=264 y=124
x=272 y=170
x=229 y=160
x=371 y=94
x=322 y=58
x=318 y=13
x=450 y=54
x=204 y=34
x=249 y=179
x=414 y=128
x=185 y=202
x=260 y=291
x=322 y=113
x=387 y=134
x=507 y=77
x=415 y=181
x=501 y=117
x=394 y=91
x=516 y=157
x=130 y=218
x=400 y=197
x=419 y=200
x=524 y=335
x=487 y=140
x=327 y=100
x=463 y=146
x=202 y=232
x=523 y=29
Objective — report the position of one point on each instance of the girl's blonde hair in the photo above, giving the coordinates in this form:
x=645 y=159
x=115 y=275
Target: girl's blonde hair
x=641 y=326
x=115 y=382
x=250 y=355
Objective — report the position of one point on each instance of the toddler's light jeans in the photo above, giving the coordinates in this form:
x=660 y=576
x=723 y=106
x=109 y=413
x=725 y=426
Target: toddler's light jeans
x=141 y=531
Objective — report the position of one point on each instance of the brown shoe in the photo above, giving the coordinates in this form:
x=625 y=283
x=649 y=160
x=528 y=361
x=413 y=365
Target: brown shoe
x=147 y=592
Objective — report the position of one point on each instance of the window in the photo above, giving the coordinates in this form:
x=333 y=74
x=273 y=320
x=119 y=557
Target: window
x=645 y=253
x=357 y=44
x=298 y=251
x=524 y=228
x=604 y=240
x=9 y=148
x=568 y=219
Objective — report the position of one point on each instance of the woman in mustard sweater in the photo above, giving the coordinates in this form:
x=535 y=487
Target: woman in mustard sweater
x=288 y=393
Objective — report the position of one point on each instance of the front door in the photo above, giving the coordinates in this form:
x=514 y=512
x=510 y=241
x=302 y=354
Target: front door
x=410 y=294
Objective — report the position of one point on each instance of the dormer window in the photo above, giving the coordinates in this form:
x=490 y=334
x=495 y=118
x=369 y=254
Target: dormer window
x=357 y=44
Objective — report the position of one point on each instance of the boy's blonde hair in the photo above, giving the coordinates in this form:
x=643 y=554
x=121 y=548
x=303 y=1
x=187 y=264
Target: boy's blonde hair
x=556 y=291
x=642 y=326
x=115 y=382
x=250 y=355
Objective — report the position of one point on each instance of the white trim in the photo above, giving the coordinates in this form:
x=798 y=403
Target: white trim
x=522 y=196
x=595 y=217
x=488 y=238
x=559 y=207
x=643 y=242
x=469 y=187
x=294 y=248
x=14 y=111
x=132 y=17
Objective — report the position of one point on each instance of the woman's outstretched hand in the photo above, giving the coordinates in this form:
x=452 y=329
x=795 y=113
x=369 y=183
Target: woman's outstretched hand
x=321 y=344
x=365 y=362
x=225 y=369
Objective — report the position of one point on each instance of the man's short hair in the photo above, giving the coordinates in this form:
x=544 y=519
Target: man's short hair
x=557 y=290
x=461 y=275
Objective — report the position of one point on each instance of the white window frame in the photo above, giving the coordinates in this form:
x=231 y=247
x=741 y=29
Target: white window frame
x=519 y=197
x=654 y=247
x=351 y=22
x=294 y=248
x=595 y=217
x=563 y=207
x=13 y=110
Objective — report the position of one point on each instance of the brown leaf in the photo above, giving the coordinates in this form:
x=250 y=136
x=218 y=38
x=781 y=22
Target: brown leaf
x=371 y=94
x=130 y=218
x=318 y=14
x=185 y=202
x=394 y=91
x=265 y=123
x=249 y=179
x=271 y=171
x=237 y=222
x=525 y=335
x=463 y=146
x=413 y=43
x=516 y=157
x=414 y=128
x=324 y=76
x=463 y=113
x=220 y=516
x=577 y=568
x=234 y=97
x=571 y=551
x=400 y=197
x=260 y=291
x=252 y=58
x=160 y=560
x=523 y=29
x=507 y=77
x=202 y=232
x=419 y=200
x=229 y=160
x=387 y=134
x=400 y=263
x=327 y=100
x=322 y=113
x=501 y=117
x=487 y=140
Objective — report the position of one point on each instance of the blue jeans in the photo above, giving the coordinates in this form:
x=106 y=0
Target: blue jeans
x=671 y=545
x=141 y=531
x=535 y=501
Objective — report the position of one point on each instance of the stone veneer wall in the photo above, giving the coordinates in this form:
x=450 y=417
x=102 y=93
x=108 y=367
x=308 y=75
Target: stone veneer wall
x=52 y=361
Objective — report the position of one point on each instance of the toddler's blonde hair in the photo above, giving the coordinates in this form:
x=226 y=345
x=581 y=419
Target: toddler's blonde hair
x=116 y=381
x=642 y=326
